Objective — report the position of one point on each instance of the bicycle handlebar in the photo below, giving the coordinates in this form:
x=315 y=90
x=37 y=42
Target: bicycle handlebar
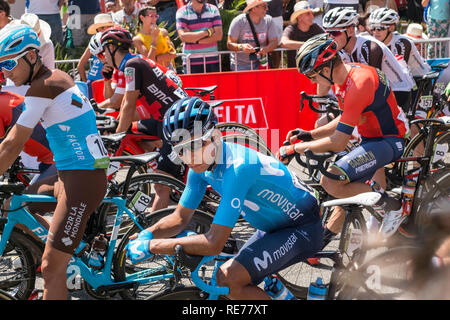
x=332 y=105
x=320 y=158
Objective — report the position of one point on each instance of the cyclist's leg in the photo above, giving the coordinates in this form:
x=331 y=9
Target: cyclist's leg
x=78 y=194
x=166 y=162
x=265 y=254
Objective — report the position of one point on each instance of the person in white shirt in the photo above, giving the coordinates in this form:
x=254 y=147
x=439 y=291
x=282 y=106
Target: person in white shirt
x=48 y=10
x=128 y=15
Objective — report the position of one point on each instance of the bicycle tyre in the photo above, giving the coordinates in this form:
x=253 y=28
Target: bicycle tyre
x=228 y=128
x=17 y=257
x=441 y=139
x=376 y=278
x=353 y=221
x=5 y=296
x=200 y=223
x=249 y=142
x=182 y=293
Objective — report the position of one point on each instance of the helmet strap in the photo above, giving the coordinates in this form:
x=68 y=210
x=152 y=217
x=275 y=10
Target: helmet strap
x=31 y=65
x=347 y=39
x=113 y=56
x=214 y=163
x=330 y=79
x=387 y=35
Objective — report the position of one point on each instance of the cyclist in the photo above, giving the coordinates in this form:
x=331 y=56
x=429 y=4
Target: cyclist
x=258 y=187
x=37 y=146
x=149 y=92
x=369 y=104
x=340 y=23
x=382 y=23
x=69 y=121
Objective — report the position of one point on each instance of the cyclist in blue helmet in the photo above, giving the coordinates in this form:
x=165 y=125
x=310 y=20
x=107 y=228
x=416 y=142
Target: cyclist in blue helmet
x=54 y=101
x=252 y=185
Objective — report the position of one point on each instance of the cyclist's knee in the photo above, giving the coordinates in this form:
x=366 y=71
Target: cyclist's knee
x=233 y=275
x=54 y=263
x=330 y=185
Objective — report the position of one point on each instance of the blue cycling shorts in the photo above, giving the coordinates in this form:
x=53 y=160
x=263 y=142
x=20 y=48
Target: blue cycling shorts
x=361 y=163
x=267 y=253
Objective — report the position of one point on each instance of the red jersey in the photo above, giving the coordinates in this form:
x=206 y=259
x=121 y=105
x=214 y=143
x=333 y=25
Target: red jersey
x=369 y=104
x=11 y=107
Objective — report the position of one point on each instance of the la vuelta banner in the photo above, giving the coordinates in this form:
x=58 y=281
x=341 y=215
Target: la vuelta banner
x=266 y=100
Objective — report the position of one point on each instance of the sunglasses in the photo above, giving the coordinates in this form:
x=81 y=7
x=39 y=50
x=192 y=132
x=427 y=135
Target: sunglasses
x=101 y=55
x=193 y=145
x=378 y=28
x=335 y=33
x=264 y=6
x=10 y=64
x=152 y=15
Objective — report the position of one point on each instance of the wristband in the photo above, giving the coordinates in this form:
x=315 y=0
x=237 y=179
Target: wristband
x=239 y=47
x=209 y=32
x=153 y=46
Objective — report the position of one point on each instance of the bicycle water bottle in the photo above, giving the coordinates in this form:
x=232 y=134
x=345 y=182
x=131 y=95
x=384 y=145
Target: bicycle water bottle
x=97 y=254
x=317 y=290
x=276 y=289
x=408 y=190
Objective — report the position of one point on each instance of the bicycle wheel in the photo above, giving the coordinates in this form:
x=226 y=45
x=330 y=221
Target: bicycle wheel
x=158 y=264
x=437 y=184
x=255 y=144
x=415 y=148
x=145 y=184
x=238 y=128
x=182 y=293
x=17 y=269
x=353 y=238
x=386 y=276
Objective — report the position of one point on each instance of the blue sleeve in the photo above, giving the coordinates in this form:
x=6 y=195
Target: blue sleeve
x=194 y=191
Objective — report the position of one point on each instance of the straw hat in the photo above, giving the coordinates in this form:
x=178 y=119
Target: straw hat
x=415 y=31
x=300 y=8
x=100 y=20
x=41 y=27
x=253 y=3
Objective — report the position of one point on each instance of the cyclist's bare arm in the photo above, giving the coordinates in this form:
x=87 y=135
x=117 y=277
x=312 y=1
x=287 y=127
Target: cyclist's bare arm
x=128 y=110
x=114 y=102
x=336 y=142
x=325 y=130
x=13 y=144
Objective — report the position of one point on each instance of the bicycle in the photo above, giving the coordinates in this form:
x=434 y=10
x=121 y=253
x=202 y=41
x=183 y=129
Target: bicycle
x=115 y=276
x=406 y=272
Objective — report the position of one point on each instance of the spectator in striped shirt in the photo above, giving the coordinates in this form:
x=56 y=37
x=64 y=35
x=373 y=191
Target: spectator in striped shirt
x=199 y=27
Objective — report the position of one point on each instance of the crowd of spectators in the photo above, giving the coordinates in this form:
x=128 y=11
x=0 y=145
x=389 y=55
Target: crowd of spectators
x=252 y=36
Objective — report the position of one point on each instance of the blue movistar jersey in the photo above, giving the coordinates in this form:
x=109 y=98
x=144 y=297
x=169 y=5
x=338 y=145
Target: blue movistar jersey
x=69 y=122
x=253 y=185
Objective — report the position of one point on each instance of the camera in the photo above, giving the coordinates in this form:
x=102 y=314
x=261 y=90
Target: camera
x=252 y=56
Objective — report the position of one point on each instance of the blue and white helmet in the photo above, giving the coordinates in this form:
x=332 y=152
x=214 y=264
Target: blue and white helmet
x=16 y=39
x=95 y=44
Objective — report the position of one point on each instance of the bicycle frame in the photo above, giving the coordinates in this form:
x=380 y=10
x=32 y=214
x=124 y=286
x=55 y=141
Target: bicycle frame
x=95 y=278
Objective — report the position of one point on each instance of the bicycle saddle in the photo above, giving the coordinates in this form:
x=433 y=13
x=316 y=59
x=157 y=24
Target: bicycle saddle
x=204 y=89
x=115 y=137
x=363 y=199
x=140 y=159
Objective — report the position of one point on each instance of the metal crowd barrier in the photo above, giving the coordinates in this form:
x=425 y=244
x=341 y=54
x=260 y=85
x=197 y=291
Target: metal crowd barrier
x=429 y=49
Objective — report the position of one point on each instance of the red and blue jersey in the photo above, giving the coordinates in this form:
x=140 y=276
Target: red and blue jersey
x=369 y=104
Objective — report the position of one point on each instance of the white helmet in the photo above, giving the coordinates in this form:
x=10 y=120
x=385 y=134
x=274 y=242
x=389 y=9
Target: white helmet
x=383 y=16
x=95 y=45
x=340 y=17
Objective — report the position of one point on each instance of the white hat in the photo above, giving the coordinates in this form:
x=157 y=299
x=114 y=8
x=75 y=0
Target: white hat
x=253 y=3
x=100 y=20
x=300 y=8
x=415 y=31
x=41 y=27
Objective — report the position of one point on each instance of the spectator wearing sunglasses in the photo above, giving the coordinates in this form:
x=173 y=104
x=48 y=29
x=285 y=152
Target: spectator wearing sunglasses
x=383 y=22
x=301 y=29
x=152 y=41
x=340 y=24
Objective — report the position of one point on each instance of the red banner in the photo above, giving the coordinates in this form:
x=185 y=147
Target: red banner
x=267 y=100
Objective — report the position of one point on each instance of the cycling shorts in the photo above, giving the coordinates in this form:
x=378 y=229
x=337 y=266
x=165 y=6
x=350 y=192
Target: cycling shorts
x=267 y=253
x=78 y=194
x=361 y=163
x=168 y=161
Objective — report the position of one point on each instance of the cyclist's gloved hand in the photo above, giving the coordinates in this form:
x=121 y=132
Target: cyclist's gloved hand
x=302 y=135
x=107 y=73
x=285 y=153
x=139 y=249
